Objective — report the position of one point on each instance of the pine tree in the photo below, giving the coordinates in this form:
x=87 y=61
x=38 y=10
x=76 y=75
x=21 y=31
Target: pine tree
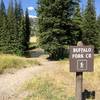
x=3 y=28
x=77 y=26
x=98 y=29
x=27 y=29
x=11 y=27
x=55 y=25
x=90 y=34
x=20 y=21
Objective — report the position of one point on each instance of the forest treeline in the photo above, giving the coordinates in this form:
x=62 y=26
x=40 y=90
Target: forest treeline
x=63 y=23
x=14 y=28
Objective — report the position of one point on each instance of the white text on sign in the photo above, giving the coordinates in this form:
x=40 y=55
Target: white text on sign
x=81 y=56
x=81 y=50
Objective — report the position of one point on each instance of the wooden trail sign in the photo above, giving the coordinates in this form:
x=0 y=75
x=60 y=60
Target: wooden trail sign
x=81 y=58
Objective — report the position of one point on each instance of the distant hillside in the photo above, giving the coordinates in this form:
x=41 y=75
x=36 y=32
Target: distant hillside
x=33 y=21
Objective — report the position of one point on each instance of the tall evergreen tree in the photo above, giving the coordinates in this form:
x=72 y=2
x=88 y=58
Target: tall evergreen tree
x=90 y=34
x=77 y=26
x=27 y=29
x=55 y=25
x=3 y=28
x=11 y=27
x=21 y=44
x=98 y=29
x=2 y=8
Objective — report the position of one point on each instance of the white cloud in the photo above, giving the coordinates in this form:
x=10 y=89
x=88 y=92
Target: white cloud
x=31 y=8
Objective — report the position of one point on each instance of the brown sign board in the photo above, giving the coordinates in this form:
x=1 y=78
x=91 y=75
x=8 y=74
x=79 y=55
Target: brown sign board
x=81 y=58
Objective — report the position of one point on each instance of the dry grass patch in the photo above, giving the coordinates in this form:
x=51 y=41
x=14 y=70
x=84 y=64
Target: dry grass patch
x=12 y=61
x=33 y=39
x=53 y=85
x=60 y=84
x=92 y=80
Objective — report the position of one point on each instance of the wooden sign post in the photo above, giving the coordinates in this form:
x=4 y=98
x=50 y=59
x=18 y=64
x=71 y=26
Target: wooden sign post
x=79 y=85
x=81 y=60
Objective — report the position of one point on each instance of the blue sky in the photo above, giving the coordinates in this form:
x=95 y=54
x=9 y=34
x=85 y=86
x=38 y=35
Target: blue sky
x=97 y=5
x=32 y=4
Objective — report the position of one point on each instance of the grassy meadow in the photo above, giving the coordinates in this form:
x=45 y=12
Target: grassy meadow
x=60 y=84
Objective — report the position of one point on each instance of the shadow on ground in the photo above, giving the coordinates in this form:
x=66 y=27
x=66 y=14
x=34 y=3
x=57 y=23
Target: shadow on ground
x=88 y=95
x=35 y=53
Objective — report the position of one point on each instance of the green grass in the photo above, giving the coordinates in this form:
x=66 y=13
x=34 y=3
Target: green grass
x=12 y=61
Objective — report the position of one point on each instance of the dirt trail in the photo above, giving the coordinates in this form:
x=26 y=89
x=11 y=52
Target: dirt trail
x=10 y=83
